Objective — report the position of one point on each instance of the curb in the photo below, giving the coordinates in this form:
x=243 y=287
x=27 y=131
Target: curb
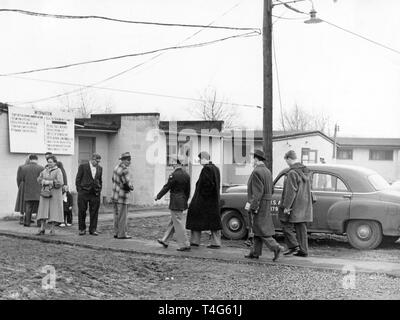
x=185 y=256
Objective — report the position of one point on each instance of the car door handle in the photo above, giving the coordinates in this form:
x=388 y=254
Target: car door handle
x=347 y=196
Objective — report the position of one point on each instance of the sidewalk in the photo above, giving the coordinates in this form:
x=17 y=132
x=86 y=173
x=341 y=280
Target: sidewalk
x=226 y=254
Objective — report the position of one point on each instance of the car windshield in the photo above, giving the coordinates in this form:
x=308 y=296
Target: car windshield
x=378 y=182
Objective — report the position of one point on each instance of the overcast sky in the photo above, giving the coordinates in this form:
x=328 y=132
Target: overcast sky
x=321 y=68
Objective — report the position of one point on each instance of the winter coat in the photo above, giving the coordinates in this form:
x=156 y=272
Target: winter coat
x=19 y=202
x=179 y=187
x=29 y=176
x=259 y=193
x=51 y=209
x=204 y=209
x=296 y=194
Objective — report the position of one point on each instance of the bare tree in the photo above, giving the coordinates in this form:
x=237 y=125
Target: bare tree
x=83 y=104
x=213 y=109
x=298 y=119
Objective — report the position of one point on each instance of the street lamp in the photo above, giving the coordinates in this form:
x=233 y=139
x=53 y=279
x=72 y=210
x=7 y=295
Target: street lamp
x=313 y=17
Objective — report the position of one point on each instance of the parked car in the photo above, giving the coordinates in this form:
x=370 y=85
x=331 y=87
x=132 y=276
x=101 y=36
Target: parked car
x=350 y=200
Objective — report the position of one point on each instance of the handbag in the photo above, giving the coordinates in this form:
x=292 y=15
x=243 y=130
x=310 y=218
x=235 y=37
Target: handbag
x=45 y=193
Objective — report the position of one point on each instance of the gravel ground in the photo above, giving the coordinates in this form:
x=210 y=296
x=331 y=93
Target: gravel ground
x=96 y=274
x=323 y=245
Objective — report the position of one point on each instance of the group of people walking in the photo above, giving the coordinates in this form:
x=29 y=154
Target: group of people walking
x=45 y=190
x=295 y=208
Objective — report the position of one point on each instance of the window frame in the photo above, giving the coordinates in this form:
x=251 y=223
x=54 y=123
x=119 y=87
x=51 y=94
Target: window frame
x=345 y=150
x=371 y=151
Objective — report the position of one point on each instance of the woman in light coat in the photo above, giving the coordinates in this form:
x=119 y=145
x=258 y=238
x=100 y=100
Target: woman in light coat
x=51 y=208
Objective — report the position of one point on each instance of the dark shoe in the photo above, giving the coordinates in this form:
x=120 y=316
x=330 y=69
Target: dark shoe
x=277 y=253
x=82 y=232
x=165 y=245
x=300 y=254
x=251 y=256
x=183 y=249
x=40 y=233
x=213 y=246
x=194 y=245
x=27 y=225
x=94 y=233
x=115 y=237
x=291 y=251
x=126 y=237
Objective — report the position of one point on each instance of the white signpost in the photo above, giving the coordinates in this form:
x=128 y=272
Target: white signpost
x=36 y=131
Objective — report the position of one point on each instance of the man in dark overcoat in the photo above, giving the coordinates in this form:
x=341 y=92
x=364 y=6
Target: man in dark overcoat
x=204 y=209
x=89 y=183
x=296 y=206
x=20 y=203
x=259 y=195
x=29 y=175
x=179 y=187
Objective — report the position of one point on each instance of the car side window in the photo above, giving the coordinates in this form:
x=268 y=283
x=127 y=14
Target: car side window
x=279 y=184
x=327 y=182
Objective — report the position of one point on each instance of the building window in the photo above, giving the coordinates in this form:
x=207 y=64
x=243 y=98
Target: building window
x=381 y=155
x=240 y=151
x=345 y=154
x=87 y=146
x=181 y=150
x=309 y=156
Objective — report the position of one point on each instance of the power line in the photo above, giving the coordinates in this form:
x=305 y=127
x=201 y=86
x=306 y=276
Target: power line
x=196 y=45
x=125 y=91
x=279 y=86
x=62 y=16
x=362 y=37
x=120 y=73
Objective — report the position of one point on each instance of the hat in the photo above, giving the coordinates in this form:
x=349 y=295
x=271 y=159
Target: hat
x=259 y=153
x=125 y=155
x=290 y=155
x=204 y=155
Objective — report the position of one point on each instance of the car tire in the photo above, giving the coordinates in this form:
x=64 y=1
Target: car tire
x=233 y=225
x=364 y=234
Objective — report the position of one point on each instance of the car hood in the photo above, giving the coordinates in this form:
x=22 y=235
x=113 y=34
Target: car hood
x=237 y=189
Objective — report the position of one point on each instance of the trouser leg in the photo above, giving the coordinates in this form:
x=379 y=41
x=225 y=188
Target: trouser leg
x=94 y=205
x=216 y=237
x=179 y=228
x=257 y=246
x=68 y=217
x=271 y=243
x=290 y=235
x=82 y=208
x=28 y=212
x=116 y=215
x=169 y=232
x=301 y=233
x=122 y=227
x=195 y=237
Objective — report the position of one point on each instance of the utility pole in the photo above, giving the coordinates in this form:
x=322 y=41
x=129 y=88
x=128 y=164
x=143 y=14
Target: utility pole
x=267 y=82
x=334 y=140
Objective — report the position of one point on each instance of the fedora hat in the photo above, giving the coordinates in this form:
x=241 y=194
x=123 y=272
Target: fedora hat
x=125 y=155
x=259 y=153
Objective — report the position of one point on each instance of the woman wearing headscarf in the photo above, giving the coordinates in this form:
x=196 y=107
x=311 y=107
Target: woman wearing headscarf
x=51 y=199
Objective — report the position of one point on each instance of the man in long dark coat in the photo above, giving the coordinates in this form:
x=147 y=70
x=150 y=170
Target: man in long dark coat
x=204 y=209
x=259 y=194
x=20 y=203
x=296 y=203
x=29 y=175
x=179 y=187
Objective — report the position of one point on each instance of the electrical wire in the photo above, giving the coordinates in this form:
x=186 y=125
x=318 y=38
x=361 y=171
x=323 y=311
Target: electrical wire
x=279 y=86
x=362 y=37
x=196 y=45
x=95 y=85
x=62 y=16
x=125 y=91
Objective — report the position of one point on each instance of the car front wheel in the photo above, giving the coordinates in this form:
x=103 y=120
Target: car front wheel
x=364 y=234
x=233 y=225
